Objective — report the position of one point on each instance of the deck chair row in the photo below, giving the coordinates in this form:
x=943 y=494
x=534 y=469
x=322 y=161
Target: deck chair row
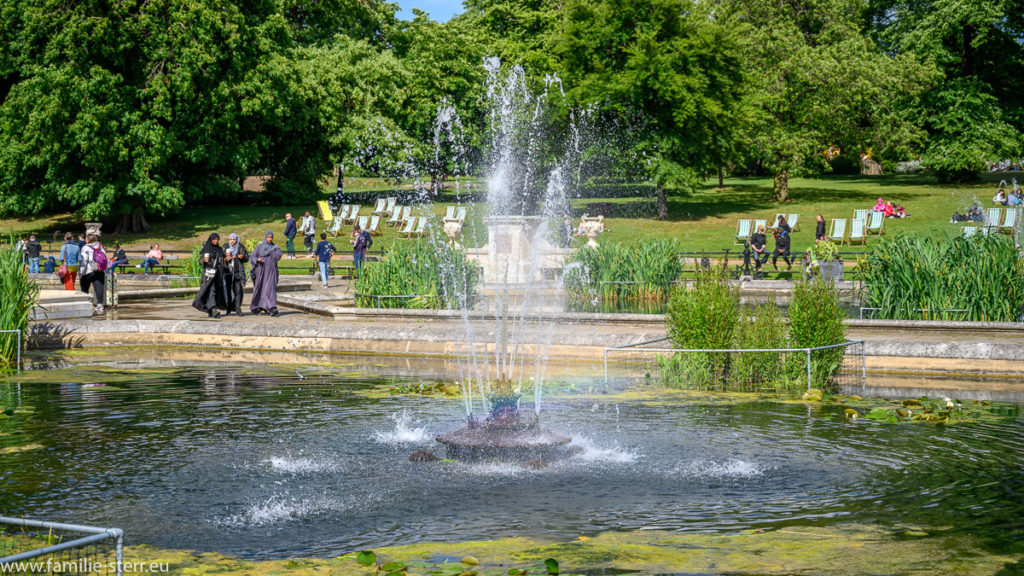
x=1002 y=219
x=746 y=226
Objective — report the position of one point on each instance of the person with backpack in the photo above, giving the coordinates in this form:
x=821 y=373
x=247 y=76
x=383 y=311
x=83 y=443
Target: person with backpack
x=360 y=245
x=93 y=268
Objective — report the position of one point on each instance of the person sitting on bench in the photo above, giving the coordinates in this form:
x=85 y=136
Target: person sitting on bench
x=153 y=258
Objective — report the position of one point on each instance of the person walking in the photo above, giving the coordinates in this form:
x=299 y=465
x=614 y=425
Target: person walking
x=265 y=275
x=324 y=251
x=235 y=257
x=94 y=270
x=33 y=250
x=360 y=245
x=70 y=255
x=212 y=294
x=308 y=231
x=290 y=230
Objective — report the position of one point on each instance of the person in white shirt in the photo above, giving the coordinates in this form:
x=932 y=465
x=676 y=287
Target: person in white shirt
x=309 y=231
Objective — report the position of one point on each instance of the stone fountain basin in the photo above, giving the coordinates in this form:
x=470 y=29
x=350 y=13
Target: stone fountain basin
x=489 y=442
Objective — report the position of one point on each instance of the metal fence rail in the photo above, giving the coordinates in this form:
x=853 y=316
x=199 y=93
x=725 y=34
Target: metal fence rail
x=816 y=365
x=18 y=333
x=29 y=562
x=919 y=310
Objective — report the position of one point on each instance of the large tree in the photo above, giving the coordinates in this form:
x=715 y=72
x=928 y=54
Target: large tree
x=673 y=68
x=975 y=112
x=128 y=108
x=818 y=80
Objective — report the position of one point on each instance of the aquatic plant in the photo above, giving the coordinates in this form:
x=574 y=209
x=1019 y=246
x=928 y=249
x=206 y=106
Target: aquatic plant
x=816 y=319
x=702 y=315
x=194 y=267
x=418 y=274
x=19 y=296
x=617 y=272
x=911 y=277
x=762 y=327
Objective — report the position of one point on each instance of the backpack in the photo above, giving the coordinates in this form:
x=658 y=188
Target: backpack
x=100 y=258
x=369 y=239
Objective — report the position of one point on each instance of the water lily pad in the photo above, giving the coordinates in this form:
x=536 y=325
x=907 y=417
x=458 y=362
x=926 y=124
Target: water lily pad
x=366 y=558
x=470 y=561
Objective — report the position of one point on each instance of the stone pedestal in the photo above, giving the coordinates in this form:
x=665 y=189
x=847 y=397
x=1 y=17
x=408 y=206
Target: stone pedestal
x=509 y=250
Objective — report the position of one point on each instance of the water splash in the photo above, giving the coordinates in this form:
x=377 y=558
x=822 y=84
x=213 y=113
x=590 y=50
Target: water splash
x=279 y=508
x=404 y=431
x=588 y=451
x=300 y=465
x=710 y=469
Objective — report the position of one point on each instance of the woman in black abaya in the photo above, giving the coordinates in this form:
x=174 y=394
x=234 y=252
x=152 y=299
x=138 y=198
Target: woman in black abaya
x=212 y=294
x=235 y=256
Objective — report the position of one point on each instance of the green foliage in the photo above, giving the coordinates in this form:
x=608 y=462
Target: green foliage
x=194 y=267
x=762 y=327
x=614 y=272
x=983 y=275
x=816 y=319
x=19 y=296
x=426 y=275
x=825 y=250
x=701 y=316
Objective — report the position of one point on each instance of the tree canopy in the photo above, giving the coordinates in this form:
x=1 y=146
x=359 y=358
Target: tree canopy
x=124 y=109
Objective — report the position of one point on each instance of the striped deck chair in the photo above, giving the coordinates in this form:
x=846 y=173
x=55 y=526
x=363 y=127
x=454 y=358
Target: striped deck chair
x=794 y=222
x=860 y=215
x=876 y=225
x=742 y=231
x=421 y=226
x=389 y=206
x=969 y=231
x=449 y=212
x=396 y=216
x=857 y=232
x=460 y=213
x=994 y=217
x=758 y=223
x=335 y=228
x=838 y=234
x=353 y=214
x=410 y=226
x=379 y=206
x=1010 y=220
x=364 y=221
x=374 y=227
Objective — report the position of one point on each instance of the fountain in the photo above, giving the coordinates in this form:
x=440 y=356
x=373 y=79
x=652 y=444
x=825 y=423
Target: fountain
x=516 y=261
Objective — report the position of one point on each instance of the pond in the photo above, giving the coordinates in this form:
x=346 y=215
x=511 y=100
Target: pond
x=313 y=460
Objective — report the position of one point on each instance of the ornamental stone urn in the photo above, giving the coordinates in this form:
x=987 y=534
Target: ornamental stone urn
x=591 y=228
x=453 y=229
x=93 y=228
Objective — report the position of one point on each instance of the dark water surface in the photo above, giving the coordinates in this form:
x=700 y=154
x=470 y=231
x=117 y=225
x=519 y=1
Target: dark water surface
x=266 y=464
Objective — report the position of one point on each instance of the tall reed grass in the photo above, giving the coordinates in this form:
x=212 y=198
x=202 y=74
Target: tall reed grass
x=615 y=272
x=912 y=277
x=425 y=274
x=17 y=297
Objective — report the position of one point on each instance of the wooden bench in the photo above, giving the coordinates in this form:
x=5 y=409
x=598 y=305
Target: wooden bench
x=164 y=266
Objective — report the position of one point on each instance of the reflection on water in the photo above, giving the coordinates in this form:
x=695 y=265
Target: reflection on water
x=269 y=464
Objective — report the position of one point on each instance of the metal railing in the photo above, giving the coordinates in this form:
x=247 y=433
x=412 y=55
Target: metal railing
x=18 y=333
x=808 y=352
x=920 y=310
x=95 y=535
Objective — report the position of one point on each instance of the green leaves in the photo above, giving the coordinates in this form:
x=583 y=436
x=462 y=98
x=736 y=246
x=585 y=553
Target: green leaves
x=366 y=558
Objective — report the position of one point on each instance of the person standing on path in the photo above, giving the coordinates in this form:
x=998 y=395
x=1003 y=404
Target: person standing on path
x=324 y=251
x=93 y=261
x=309 y=231
x=264 y=284
x=69 y=258
x=360 y=245
x=235 y=257
x=290 y=230
x=33 y=250
x=819 y=231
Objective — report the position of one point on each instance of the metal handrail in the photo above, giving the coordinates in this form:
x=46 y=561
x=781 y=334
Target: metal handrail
x=98 y=534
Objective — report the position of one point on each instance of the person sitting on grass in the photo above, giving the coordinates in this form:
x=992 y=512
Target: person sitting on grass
x=1000 y=198
x=879 y=206
x=889 y=211
x=782 y=240
x=759 y=244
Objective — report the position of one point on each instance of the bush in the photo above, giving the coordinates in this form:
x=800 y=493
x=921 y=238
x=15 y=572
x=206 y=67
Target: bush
x=616 y=272
x=915 y=277
x=19 y=296
x=434 y=276
x=816 y=319
x=761 y=327
x=701 y=316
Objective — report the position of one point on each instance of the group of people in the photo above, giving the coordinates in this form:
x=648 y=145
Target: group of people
x=1014 y=198
x=291 y=229
x=889 y=210
x=225 y=274
x=783 y=236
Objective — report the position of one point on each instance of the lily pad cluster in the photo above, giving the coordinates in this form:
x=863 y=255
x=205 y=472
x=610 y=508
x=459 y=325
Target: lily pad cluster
x=426 y=389
x=923 y=409
x=466 y=566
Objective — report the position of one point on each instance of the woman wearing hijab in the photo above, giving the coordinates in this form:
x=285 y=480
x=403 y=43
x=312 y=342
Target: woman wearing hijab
x=235 y=257
x=264 y=269
x=211 y=296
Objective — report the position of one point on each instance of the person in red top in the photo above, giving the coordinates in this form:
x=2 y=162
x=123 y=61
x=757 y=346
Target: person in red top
x=888 y=211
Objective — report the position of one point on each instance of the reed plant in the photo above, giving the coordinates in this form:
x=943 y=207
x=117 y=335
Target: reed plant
x=927 y=277
x=762 y=327
x=614 y=272
x=701 y=316
x=421 y=274
x=817 y=319
x=19 y=295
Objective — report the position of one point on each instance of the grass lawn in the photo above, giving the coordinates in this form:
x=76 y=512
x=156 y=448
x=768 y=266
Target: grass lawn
x=704 y=221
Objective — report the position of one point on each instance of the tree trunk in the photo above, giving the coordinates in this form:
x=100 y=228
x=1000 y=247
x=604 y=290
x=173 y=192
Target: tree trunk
x=721 y=176
x=780 y=192
x=662 y=203
x=132 y=222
